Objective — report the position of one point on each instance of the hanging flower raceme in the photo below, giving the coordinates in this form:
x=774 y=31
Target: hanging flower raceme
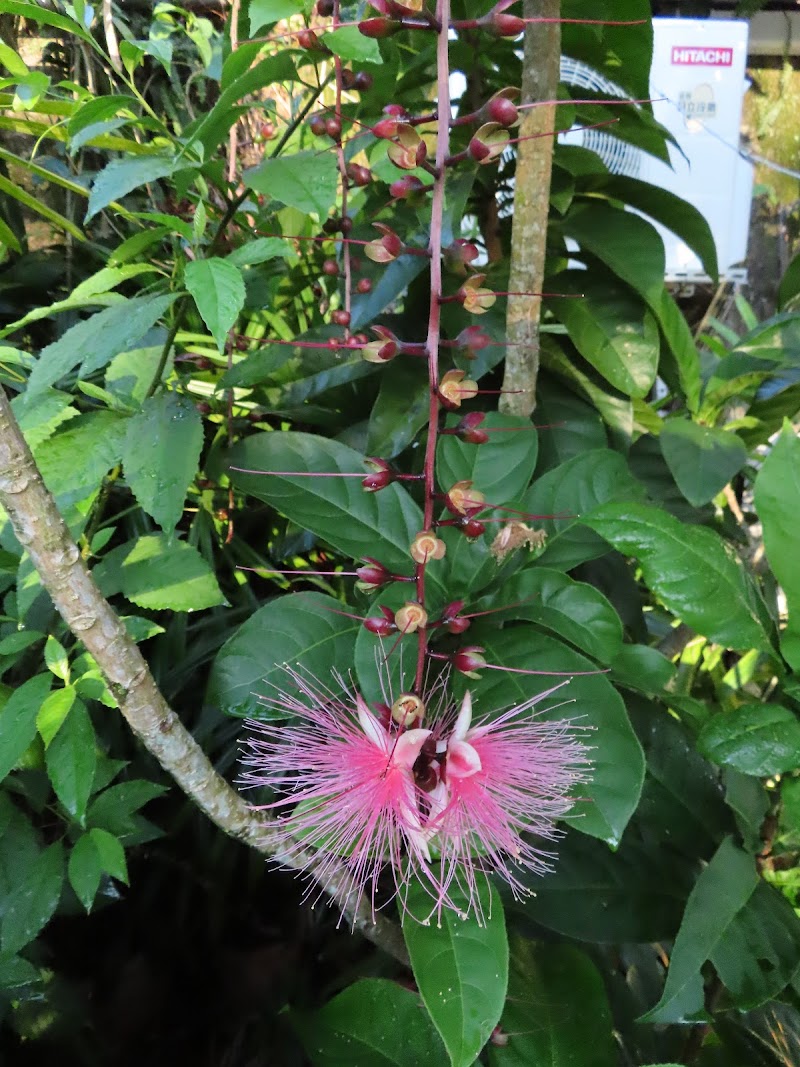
x=444 y=801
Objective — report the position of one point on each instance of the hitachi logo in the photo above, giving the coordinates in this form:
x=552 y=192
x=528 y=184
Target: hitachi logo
x=701 y=57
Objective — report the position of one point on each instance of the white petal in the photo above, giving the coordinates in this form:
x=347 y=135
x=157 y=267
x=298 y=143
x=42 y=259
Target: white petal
x=370 y=725
x=462 y=760
x=407 y=748
x=464 y=718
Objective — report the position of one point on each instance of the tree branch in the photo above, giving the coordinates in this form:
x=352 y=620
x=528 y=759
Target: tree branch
x=540 y=75
x=41 y=530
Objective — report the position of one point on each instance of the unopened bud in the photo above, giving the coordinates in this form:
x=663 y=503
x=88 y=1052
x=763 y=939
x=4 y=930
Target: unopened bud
x=408 y=709
x=472 y=528
x=359 y=175
x=459 y=255
x=407 y=150
x=372 y=576
x=383 y=476
x=453 y=619
x=381 y=627
x=502 y=25
x=489 y=142
x=408 y=187
x=384 y=249
x=468 y=429
x=427 y=546
x=473 y=339
x=469 y=661
x=385 y=348
x=378 y=28
x=411 y=617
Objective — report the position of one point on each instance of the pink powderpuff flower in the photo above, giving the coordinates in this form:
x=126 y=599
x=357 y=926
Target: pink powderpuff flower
x=348 y=797
x=501 y=782
x=445 y=805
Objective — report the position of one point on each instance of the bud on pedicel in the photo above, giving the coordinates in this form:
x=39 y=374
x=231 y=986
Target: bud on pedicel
x=409 y=187
x=382 y=350
x=411 y=617
x=427 y=546
x=378 y=28
x=501 y=108
x=384 y=249
x=472 y=528
x=468 y=429
x=324 y=8
x=454 y=388
x=469 y=661
x=489 y=142
x=476 y=299
x=383 y=626
x=472 y=340
x=317 y=125
x=383 y=476
x=407 y=150
x=407 y=709
x=459 y=255
x=372 y=576
x=502 y=25
x=452 y=618
x=359 y=175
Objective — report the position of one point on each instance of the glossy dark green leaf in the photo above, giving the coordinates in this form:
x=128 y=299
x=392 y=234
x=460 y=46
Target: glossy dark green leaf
x=557 y=1011
x=702 y=459
x=572 y=491
x=790 y=284
x=573 y=610
x=501 y=468
x=338 y=510
x=461 y=970
x=373 y=1023
x=18 y=720
x=115 y=808
x=621 y=53
x=758 y=739
x=392 y=280
x=305 y=180
x=759 y=953
x=691 y=570
x=643 y=668
x=682 y=347
x=71 y=759
x=720 y=893
x=350 y=43
x=84 y=870
x=400 y=410
x=217 y=287
x=749 y=801
x=609 y=798
x=635 y=893
x=298 y=629
x=611 y=329
x=33 y=900
x=777 y=497
x=625 y=243
x=573 y=426
x=160 y=455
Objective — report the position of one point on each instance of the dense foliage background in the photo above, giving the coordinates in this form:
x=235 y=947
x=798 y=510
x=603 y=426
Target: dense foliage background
x=148 y=273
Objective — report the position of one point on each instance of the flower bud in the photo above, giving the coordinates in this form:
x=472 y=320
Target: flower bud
x=489 y=142
x=502 y=25
x=408 y=187
x=468 y=429
x=372 y=576
x=462 y=499
x=359 y=175
x=426 y=546
x=459 y=255
x=453 y=619
x=384 y=249
x=502 y=111
x=411 y=617
x=455 y=387
x=381 y=627
x=473 y=339
x=378 y=28
x=396 y=110
x=407 y=709
x=383 y=476
x=472 y=528
x=317 y=125
x=382 y=350
x=385 y=129
x=469 y=661
x=407 y=150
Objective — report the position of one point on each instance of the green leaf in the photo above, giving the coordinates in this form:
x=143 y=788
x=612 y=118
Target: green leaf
x=758 y=954
x=115 y=808
x=213 y=127
x=338 y=510
x=749 y=801
x=373 y=1023
x=757 y=739
x=111 y=853
x=643 y=668
x=159 y=574
x=33 y=900
x=400 y=411
x=95 y=341
x=790 y=284
x=574 y=610
x=305 y=180
x=53 y=712
x=349 y=43
x=74 y=461
x=720 y=893
x=264 y=12
x=777 y=498
x=298 y=629
x=574 y=490
x=55 y=656
x=18 y=720
x=611 y=329
x=691 y=570
x=501 y=468
x=610 y=797
x=461 y=970
x=71 y=759
x=39 y=207
x=702 y=459
x=682 y=347
x=84 y=870
x=97 y=109
x=39 y=415
x=557 y=1011
x=628 y=245
x=218 y=290
x=160 y=455
x=121 y=176
x=261 y=250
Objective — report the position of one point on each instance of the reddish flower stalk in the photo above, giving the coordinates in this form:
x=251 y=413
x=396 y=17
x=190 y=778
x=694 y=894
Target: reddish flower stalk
x=345 y=179
x=434 y=312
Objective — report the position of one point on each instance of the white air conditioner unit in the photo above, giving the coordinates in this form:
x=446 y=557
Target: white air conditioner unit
x=697 y=82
